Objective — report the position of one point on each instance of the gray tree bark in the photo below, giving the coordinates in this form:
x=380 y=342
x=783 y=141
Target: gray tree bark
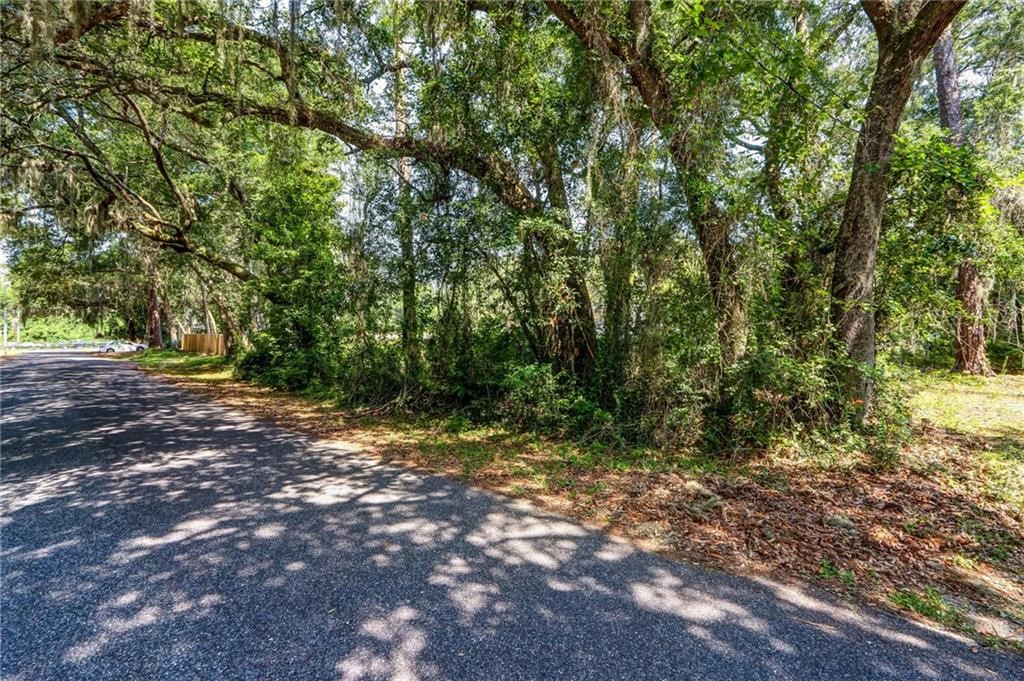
x=153 y=326
x=951 y=115
x=406 y=242
x=573 y=337
x=906 y=30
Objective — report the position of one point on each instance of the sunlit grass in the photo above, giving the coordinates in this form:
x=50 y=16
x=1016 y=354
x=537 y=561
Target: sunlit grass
x=990 y=412
x=931 y=605
x=971 y=405
x=1004 y=472
x=198 y=367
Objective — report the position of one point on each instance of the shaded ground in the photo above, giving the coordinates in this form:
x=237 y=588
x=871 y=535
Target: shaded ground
x=151 y=534
x=940 y=536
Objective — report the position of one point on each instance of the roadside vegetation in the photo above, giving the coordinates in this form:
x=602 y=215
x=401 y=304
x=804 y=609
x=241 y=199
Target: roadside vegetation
x=686 y=270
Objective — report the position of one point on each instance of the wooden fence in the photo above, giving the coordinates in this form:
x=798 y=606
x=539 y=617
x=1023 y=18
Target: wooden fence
x=204 y=343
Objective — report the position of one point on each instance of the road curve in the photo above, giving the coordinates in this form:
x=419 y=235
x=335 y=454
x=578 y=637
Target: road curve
x=148 y=534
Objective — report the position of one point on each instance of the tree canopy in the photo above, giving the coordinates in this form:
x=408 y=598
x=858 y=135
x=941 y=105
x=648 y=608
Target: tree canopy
x=657 y=222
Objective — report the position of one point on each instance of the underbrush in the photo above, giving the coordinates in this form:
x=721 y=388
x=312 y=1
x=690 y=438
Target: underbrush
x=768 y=404
x=1005 y=357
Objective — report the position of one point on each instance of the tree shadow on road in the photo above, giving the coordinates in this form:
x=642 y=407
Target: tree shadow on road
x=148 y=534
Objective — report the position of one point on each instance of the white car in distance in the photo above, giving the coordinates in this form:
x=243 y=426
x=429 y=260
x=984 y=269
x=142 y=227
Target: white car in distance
x=122 y=346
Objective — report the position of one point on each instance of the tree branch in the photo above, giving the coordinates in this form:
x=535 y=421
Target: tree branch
x=158 y=157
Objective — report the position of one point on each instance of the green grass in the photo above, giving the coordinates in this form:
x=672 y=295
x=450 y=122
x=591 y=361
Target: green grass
x=200 y=367
x=1004 y=472
x=990 y=410
x=931 y=605
x=827 y=570
x=971 y=405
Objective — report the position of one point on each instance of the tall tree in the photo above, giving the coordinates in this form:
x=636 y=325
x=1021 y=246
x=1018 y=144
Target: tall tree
x=406 y=231
x=153 y=327
x=905 y=31
x=673 y=114
x=969 y=335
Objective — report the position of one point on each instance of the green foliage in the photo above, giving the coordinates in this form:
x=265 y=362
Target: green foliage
x=536 y=398
x=294 y=221
x=941 y=212
x=771 y=393
x=53 y=329
x=427 y=206
x=888 y=428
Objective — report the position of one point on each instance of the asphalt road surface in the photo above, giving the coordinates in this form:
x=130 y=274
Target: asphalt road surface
x=148 y=534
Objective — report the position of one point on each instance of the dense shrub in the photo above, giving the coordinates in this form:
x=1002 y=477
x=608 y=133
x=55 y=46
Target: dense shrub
x=294 y=221
x=537 y=398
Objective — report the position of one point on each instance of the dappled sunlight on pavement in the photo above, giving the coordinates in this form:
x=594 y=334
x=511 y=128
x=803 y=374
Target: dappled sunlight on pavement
x=149 y=534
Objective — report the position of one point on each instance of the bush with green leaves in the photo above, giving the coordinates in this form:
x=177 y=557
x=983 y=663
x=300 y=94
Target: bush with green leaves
x=537 y=398
x=53 y=329
x=296 y=237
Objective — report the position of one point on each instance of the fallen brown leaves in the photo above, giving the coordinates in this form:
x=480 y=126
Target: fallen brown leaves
x=863 y=532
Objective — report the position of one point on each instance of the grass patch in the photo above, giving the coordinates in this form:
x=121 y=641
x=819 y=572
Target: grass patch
x=827 y=570
x=988 y=412
x=971 y=405
x=175 y=363
x=1004 y=472
x=931 y=605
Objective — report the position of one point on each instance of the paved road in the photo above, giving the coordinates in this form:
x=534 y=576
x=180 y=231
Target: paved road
x=148 y=534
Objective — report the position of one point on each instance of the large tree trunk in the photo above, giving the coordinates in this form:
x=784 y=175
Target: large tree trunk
x=971 y=292
x=170 y=318
x=853 y=274
x=410 y=322
x=153 y=327
x=970 y=289
x=951 y=114
x=234 y=336
x=712 y=226
x=573 y=333
x=209 y=323
x=906 y=31
x=406 y=241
